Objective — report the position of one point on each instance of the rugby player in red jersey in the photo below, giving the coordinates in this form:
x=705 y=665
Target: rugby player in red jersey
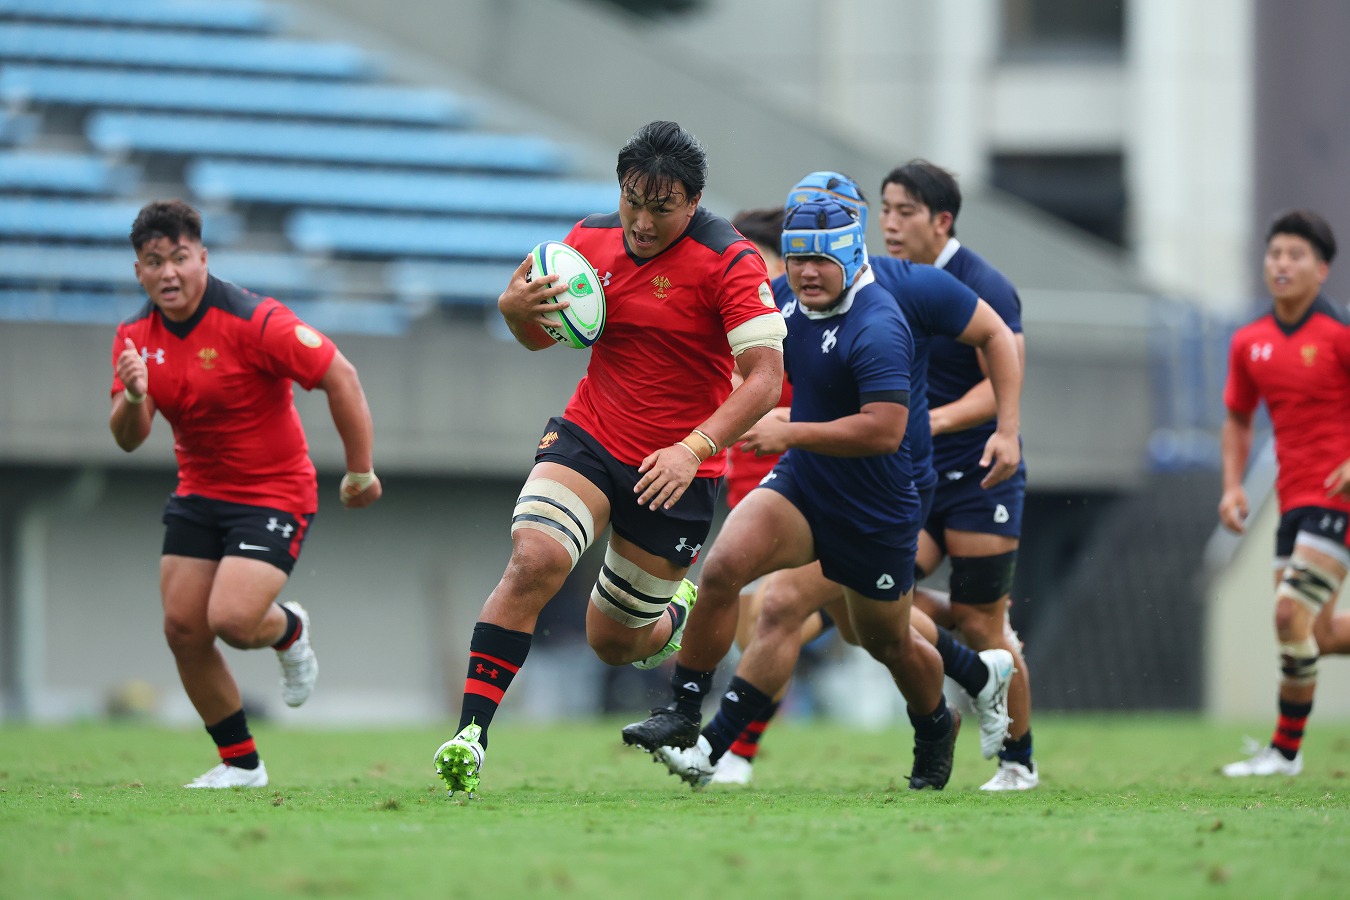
x=217 y=362
x=638 y=446
x=1295 y=358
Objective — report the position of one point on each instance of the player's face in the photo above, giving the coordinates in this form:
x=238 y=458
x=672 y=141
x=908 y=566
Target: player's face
x=173 y=274
x=911 y=230
x=1293 y=270
x=654 y=215
x=816 y=280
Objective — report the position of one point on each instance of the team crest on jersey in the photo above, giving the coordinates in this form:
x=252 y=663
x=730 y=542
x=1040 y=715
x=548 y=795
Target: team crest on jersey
x=308 y=336
x=1309 y=352
x=208 y=357
x=766 y=294
x=661 y=285
x=548 y=440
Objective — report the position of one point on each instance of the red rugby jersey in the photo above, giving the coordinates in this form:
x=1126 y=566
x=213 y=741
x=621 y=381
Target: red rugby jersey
x=663 y=364
x=222 y=379
x=1303 y=375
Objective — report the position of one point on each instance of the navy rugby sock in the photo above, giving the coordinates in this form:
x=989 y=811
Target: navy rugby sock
x=690 y=687
x=741 y=704
x=960 y=663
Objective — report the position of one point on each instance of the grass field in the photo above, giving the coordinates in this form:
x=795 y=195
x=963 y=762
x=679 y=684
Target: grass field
x=1129 y=807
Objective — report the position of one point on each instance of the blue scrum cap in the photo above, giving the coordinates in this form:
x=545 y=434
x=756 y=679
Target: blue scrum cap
x=825 y=228
x=831 y=186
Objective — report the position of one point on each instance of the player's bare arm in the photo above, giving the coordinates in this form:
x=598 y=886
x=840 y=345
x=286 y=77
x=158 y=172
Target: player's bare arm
x=351 y=416
x=669 y=471
x=132 y=410
x=525 y=303
x=875 y=430
x=1235 y=448
x=1338 y=482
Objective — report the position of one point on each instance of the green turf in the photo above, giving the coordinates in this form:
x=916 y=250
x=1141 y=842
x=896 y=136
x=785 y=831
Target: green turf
x=1129 y=807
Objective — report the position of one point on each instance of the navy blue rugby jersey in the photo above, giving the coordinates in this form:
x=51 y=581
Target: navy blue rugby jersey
x=954 y=368
x=838 y=363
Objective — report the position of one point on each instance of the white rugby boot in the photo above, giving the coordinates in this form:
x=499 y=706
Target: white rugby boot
x=991 y=703
x=223 y=776
x=691 y=764
x=299 y=666
x=733 y=769
x=1266 y=761
x=1013 y=776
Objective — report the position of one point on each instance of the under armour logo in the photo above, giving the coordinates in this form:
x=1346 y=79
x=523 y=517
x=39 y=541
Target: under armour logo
x=274 y=525
x=604 y=279
x=491 y=673
x=1001 y=514
x=1262 y=352
x=685 y=545
x=885 y=582
x=829 y=340
x=953 y=475
x=157 y=356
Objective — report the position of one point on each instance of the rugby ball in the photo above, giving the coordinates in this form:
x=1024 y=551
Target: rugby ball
x=579 y=325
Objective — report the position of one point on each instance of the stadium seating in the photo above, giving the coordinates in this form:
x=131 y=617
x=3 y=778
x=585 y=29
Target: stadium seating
x=245 y=54
x=256 y=182
x=468 y=283
x=16 y=128
x=382 y=235
x=187 y=135
x=307 y=99
x=108 y=269
x=64 y=173
x=68 y=219
x=237 y=15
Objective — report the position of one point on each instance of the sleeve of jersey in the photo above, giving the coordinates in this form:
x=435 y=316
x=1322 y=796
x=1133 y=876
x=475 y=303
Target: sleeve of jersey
x=881 y=362
x=288 y=348
x=944 y=303
x=745 y=291
x=1239 y=393
x=1002 y=296
x=119 y=344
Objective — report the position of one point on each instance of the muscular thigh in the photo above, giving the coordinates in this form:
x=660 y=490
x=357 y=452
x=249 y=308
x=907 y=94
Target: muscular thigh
x=763 y=534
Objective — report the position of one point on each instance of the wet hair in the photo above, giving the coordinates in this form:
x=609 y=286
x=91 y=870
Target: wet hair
x=1308 y=225
x=763 y=226
x=667 y=157
x=931 y=185
x=172 y=219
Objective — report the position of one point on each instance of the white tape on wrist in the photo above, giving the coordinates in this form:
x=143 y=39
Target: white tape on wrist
x=354 y=483
x=133 y=399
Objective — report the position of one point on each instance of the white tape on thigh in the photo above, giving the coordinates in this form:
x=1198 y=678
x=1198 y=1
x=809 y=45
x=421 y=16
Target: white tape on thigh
x=1298 y=660
x=1307 y=584
x=628 y=595
x=555 y=509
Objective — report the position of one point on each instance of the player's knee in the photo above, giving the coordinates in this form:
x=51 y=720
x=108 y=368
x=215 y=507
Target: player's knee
x=720 y=577
x=184 y=636
x=627 y=594
x=1298 y=660
x=611 y=649
x=551 y=510
x=1308 y=585
x=779 y=616
x=236 y=630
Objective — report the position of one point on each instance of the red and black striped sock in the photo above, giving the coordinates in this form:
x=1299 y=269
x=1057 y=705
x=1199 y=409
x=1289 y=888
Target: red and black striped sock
x=233 y=741
x=1289 y=727
x=747 y=745
x=292 y=633
x=495 y=656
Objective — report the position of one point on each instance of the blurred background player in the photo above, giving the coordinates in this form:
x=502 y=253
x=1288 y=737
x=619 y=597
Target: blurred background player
x=974 y=521
x=639 y=444
x=1295 y=358
x=841 y=499
x=934 y=304
x=217 y=362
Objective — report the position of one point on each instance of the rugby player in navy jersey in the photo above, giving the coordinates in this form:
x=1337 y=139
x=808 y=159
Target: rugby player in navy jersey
x=933 y=303
x=841 y=499
x=217 y=362
x=1295 y=358
x=975 y=521
x=638 y=446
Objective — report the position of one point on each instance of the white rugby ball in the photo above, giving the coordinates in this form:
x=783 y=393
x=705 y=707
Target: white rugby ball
x=579 y=325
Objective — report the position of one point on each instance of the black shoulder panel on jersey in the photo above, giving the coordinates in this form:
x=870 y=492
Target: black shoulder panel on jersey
x=1325 y=306
x=712 y=231
x=143 y=313
x=230 y=298
x=602 y=220
x=748 y=251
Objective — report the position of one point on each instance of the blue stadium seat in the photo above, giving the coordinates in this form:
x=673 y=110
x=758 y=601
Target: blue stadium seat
x=245 y=54
x=109 y=268
x=116 y=88
x=470 y=283
x=17 y=128
x=64 y=173
x=118 y=132
x=92 y=220
x=482 y=195
x=367 y=234
x=235 y=15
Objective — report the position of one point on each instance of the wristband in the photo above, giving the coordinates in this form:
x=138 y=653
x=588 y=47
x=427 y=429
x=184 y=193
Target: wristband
x=712 y=445
x=358 y=480
x=133 y=399
x=691 y=450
